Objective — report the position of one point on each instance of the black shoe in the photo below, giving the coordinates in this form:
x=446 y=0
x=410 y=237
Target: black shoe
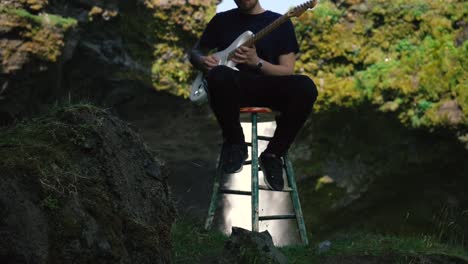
x=272 y=167
x=233 y=157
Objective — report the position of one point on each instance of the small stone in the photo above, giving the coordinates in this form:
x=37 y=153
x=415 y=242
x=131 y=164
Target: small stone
x=104 y=248
x=152 y=170
x=324 y=246
x=244 y=244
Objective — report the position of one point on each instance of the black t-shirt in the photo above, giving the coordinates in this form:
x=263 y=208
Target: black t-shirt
x=225 y=27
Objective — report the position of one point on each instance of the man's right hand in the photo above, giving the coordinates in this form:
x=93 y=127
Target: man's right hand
x=209 y=62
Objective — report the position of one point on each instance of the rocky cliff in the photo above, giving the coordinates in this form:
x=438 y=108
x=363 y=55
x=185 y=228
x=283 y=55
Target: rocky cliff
x=99 y=51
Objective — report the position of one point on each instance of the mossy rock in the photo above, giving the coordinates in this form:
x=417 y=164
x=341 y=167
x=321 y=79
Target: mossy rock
x=79 y=185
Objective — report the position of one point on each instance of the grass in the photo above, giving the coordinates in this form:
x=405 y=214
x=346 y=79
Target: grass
x=192 y=244
x=366 y=244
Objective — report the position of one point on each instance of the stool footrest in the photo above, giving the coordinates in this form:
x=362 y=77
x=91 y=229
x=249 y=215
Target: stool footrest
x=260 y=138
x=265 y=188
x=260 y=187
x=276 y=217
x=226 y=191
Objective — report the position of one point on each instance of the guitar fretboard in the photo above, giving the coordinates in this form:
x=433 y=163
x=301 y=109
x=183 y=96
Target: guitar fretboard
x=253 y=40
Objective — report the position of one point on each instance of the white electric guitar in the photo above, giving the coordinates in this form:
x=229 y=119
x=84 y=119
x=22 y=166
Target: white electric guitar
x=198 y=93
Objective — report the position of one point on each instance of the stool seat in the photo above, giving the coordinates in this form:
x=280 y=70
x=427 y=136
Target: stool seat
x=267 y=114
x=255 y=110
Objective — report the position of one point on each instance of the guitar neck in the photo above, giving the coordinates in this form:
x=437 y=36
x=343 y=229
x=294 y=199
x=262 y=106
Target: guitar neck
x=254 y=39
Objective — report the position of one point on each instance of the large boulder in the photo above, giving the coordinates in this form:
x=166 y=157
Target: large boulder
x=80 y=186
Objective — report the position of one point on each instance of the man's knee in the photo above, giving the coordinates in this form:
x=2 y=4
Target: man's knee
x=219 y=75
x=305 y=88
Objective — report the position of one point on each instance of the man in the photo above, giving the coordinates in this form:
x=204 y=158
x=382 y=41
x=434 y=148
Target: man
x=265 y=79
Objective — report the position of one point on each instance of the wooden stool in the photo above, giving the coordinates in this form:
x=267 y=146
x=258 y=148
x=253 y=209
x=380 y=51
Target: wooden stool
x=254 y=111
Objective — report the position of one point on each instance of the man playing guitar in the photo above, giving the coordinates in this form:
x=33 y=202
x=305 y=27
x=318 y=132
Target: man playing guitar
x=265 y=79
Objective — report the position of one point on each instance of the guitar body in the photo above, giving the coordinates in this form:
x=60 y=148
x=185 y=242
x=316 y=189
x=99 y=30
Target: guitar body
x=198 y=93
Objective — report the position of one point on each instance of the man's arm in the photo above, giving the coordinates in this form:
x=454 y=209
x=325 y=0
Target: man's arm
x=200 y=61
x=248 y=55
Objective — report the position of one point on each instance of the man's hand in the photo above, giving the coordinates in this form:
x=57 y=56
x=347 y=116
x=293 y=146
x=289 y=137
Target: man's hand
x=246 y=55
x=209 y=62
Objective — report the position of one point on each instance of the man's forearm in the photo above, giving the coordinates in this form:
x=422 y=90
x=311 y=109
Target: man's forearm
x=195 y=57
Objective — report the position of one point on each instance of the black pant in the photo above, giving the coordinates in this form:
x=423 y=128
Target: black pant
x=293 y=96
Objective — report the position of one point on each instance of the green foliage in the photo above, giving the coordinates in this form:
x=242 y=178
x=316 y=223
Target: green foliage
x=327 y=13
x=402 y=56
x=176 y=29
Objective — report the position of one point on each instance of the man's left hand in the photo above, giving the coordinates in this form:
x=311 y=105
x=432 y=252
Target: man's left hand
x=246 y=55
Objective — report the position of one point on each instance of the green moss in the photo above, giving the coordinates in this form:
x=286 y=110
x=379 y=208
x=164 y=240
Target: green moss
x=43 y=18
x=42 y=35
x=41 y=149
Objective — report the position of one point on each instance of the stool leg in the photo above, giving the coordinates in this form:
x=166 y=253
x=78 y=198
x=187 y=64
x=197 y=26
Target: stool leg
x=214 y=199
x=295 y=199
x=254 y=174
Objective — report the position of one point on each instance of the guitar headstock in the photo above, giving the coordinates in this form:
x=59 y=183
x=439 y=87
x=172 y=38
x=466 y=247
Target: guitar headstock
x=300 y=9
